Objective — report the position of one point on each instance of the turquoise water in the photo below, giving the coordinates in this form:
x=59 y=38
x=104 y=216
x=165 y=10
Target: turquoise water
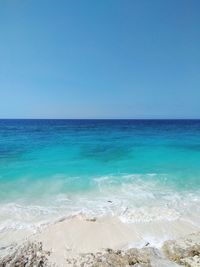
x=54 y=168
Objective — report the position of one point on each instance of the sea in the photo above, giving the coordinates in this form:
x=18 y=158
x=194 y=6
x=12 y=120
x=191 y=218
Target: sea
x=137 y=170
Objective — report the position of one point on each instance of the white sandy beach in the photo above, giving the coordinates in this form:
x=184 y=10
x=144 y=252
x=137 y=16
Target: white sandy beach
x=71 y=237
x=77 y=235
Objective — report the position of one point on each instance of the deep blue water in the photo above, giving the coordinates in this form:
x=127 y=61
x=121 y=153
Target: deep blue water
x=42 y=161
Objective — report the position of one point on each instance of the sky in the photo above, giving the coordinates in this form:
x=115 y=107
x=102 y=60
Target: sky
x=100 y=59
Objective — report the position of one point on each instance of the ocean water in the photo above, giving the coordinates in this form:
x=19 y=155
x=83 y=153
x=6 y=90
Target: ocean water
x=139 y=170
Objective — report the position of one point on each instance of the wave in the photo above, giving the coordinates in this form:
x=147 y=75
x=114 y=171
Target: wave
x=132 y=198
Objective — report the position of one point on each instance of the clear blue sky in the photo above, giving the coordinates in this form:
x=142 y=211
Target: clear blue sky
x=100 y=59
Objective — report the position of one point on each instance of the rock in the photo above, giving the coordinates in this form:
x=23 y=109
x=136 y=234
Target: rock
x=191 y=261
x=91 y=219
x=119 y=258
x=25 y=255
x=185 y=251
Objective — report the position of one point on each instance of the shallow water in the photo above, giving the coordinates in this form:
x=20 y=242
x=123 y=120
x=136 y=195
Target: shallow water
x=139 y=170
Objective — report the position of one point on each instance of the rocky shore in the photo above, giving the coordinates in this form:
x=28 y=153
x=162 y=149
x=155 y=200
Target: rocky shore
x=184 y=251
x=26 y=254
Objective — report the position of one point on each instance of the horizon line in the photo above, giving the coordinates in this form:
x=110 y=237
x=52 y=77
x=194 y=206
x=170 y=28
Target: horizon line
x=99 y=118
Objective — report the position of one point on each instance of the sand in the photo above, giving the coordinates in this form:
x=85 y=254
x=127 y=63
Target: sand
x=79 y=236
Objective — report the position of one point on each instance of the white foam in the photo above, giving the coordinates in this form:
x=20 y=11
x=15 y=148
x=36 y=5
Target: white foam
x=133 y=198
x=149 y=214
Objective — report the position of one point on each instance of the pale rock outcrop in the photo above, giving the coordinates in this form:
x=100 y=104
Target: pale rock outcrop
x=185 y=251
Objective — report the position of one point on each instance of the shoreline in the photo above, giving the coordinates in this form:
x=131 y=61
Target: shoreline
x=72 y=238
